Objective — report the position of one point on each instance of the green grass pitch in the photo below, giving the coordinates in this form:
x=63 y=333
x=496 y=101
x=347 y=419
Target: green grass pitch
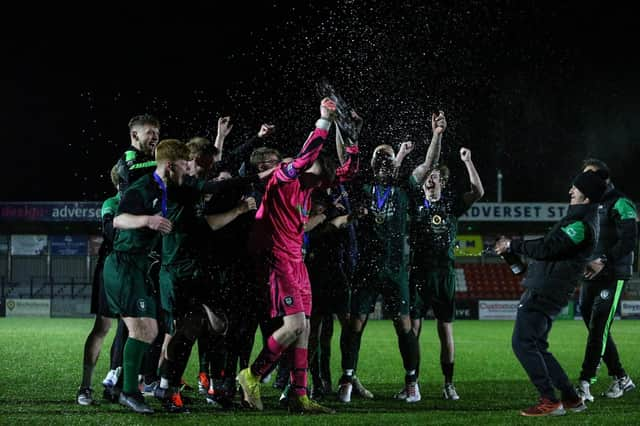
x=40 y=368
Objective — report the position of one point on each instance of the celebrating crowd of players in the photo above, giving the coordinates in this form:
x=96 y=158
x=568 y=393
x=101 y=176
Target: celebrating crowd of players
x=204 y=245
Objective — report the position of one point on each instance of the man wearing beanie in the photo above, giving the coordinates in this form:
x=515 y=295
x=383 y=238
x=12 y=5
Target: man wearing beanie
x=602 y=286
x=557 y=263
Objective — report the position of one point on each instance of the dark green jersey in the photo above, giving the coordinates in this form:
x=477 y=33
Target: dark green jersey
x=143 y=197
x=108 y=212
x=382 y=234
x=181 y=244
x=433 y=228
x=110 y=206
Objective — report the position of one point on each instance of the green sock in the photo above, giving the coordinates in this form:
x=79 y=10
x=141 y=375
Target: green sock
x=132 y=361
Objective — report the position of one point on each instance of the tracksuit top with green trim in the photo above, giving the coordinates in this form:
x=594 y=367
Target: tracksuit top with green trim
x=559 y=258
x=618 y=235
x=433 y=228
x=132 y=165
x=143 y=197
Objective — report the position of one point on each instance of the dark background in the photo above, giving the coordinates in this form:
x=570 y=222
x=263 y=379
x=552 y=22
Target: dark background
x=530 y=87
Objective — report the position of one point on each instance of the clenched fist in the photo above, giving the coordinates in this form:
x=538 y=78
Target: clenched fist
x=465 y=154
x=328 y=109
x=438 y=123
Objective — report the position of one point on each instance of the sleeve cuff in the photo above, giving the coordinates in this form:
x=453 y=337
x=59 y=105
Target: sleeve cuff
x=323 y=124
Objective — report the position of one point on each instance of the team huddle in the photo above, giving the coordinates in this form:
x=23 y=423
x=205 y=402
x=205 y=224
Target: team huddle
x=204 y=246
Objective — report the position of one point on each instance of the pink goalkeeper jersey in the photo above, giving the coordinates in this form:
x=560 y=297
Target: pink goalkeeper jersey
x=280 y=220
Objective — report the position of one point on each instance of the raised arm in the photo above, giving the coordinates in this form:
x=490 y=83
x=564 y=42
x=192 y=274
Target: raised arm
x=224 y=127
x=477 y=191
x=438 y=126
x=233 y=160
x=403 y=152
x=312 y=146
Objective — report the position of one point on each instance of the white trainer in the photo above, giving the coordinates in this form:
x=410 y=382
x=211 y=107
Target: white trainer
x=401 y=394
x=449 y=392
x=619 y=387
x=360 y=390
x=584 y=391
x=413 y=392
x=344 y=392
x=111 y=378
x=85 y=396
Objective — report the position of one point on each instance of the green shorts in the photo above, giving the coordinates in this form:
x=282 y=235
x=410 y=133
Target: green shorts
x=370 y=283
x=128 y=289
x=435 y=288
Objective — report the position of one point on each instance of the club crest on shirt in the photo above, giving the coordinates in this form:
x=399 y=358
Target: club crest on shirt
x=288 y=300
x=439 y=224
x=142 y=305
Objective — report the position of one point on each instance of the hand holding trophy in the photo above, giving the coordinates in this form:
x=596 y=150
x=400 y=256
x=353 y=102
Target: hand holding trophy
x=347 y=120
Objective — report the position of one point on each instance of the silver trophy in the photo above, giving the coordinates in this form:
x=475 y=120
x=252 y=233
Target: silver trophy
x=349 y=125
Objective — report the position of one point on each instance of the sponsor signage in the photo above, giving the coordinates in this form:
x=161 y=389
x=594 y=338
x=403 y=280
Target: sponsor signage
x=469 y=245
x=630 y=308
x=515 y=212
x=466 y=309
x=69 y=245
x=497 y=309
x=28 y=307
x=28 y=245
x=50 y=211
x=464 y=313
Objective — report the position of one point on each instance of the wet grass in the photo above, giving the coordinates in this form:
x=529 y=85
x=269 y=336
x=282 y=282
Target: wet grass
x=40 y=368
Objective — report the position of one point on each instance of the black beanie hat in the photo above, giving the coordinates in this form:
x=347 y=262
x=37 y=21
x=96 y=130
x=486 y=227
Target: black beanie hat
x=591 y=184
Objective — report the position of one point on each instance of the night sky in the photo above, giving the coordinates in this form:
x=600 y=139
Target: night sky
x=530 y=87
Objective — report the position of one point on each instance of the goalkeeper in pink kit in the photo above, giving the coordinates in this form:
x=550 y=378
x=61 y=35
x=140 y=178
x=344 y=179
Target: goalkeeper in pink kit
x=277 y=240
